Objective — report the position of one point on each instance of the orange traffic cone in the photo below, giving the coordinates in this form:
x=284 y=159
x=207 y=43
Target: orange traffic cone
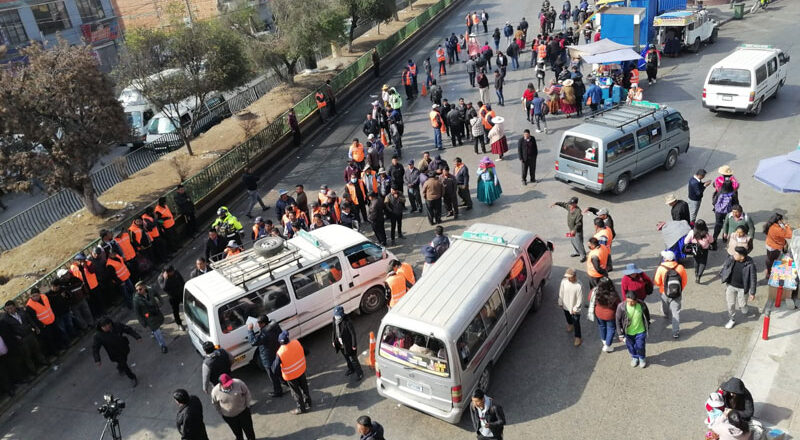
x=424 y=90
x=441 y=69
x=371 y=358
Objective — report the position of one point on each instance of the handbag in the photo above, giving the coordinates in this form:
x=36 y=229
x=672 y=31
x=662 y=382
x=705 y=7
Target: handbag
x=691 y=249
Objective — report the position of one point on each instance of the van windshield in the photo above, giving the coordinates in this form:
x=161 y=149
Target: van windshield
x=196 y=311
x=580 y=149
x=730 y=77
x=415 y=350
x=160 y=125
x=134 y=119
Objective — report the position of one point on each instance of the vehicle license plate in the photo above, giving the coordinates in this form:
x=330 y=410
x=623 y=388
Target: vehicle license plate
x=727 y=98
x=414 y=386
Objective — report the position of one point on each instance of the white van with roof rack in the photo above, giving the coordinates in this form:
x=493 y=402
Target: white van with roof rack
x=296 y=282
x=745 y=79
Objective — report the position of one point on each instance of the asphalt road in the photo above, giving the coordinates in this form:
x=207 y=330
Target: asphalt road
x=549 y=388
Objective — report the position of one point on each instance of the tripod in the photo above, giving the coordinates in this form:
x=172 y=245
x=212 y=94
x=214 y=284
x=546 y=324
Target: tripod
x=113 y=424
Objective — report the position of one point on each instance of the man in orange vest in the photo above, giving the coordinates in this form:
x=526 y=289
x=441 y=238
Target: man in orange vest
x=291 y=361
x=438 y=126
x=597 y=258
x=233 y=248
x=413 y=69
x=38 y=306
x=441 y=58
x=408 y=82
x=121 y=276
x=154 y=230
x=357 y=154
x=165 y=219
x=404 y=269
x=605 y=237
x=396 y=287
x=322 y=104
x=358 y=197
x=85 y=272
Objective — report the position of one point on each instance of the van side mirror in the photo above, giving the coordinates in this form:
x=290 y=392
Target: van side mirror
x=788 y=58
x=550 y=246
x=685 y=125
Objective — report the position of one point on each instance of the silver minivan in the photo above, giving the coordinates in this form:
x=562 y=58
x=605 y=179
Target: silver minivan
x=440 y=342
x=615 y=146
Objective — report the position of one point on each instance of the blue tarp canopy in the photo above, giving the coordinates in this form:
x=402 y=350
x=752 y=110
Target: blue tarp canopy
x=604 y=51
x=780 y=172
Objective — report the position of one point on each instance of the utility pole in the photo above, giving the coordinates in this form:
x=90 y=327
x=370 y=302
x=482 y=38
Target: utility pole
x=189 y=10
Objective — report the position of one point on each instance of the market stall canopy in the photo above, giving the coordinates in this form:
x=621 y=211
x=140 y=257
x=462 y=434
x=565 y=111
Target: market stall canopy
x=608 y=2
x=675 y=18
x=604 y=51
x=780 y=172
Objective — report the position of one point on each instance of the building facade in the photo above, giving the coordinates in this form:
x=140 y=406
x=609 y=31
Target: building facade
x=162 y=13
x=91 y=22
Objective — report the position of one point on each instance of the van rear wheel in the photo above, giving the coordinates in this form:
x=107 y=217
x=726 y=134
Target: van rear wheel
x=372 y=300
x=672 y=159
x=622 y=184
x=485 y=379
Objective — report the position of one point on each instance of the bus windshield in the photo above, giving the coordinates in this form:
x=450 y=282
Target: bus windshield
x=415 y=350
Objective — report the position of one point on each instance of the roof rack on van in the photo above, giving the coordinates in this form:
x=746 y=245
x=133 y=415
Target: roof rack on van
x=483 y=237
x=620 y=115
x=248 y=265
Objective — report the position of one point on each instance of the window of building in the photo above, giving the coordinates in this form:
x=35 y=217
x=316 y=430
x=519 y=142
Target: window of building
x=260 y=302
x=51 y=17
x=11 y=30
x=90 y=10
x=316 y=277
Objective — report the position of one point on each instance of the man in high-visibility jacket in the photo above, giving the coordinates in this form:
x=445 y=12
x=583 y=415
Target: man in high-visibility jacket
x=596 y=261
x=322 y=104
x=165 y=219
x=84 y=271
x=438 y=126
x=357 y=154
x=153 y=230
x=441 y=58
x=291 y=361
x=140 y=240
x=541 y=51
x=232 y=249
x=605 y=237
x=413 y=69
x=260 y=229
x=487 y=118
x=120 y=274
x=227 y=225
x=407 y=79
x=396 y=287
x=404 y=269
x=38 y=306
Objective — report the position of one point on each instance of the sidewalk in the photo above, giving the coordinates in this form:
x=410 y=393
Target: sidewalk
x=770 y=371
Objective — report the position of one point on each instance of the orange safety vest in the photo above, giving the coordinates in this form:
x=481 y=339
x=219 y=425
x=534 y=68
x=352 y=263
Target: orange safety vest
x=413 y=69
x=601 y=252
x=397 y=286
x=137 y=232
x=229 y=252
x=357 y=151
x=542 y=51
x=635 y=76
x=475 y=19
x=124 y=242
x=469 y=20
x=436 y=121
x=43 y=311
x=337 y=210
x=320 y=100
x=153 y=233
x=119 y=267
x=90 y=279
x=256 y=230
x=371 y=176
x=440 y=55
x=352 y=190
x=166 y=215
x=488 y=117
x=407 y=272
x=407 y=78
x=293 y=360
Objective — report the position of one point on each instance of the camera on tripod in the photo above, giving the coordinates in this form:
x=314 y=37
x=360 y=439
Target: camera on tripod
x=112 y=407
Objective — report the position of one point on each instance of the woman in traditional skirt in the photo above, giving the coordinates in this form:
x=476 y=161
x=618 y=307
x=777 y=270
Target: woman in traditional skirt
x=568 y=99
x=489 y=188
x=497 y=137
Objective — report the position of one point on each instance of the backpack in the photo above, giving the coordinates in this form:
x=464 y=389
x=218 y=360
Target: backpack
x=545 y=109
x=652 y=58
x=673 y=283
x=723 y=203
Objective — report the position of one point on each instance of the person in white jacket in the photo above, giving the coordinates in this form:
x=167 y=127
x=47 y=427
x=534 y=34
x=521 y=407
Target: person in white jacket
x=570 y=299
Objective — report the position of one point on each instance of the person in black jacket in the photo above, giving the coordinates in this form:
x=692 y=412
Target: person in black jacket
x=23 y=344
x=215 y=246
x=488 y=419
x=216 y=363
x=250 y=182
x=371 y=126
x=186 y=209
x=190 y=416
x=679 y=209
x=737 y=397
x=527 y=152
x=376 y=217
x=111 y=336
x=171 y=282
x=343 y=338
x=267 y=345
x=367 y=429
x=696 y=188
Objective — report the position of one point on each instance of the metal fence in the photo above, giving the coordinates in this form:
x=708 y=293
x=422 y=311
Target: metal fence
x=223 y=169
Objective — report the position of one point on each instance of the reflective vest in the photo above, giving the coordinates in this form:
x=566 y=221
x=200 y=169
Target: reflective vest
x=336 y=213
x=166 y=215
x=475 y=19
x=407 y=272
x=601 y=252
x=635 y=76
x=119 y=267
x=604 y=235
x=413 y=69
x=153 y=233
x=90 y=279
x=370 y=179
x=488 y=117
x=293 y=360
x=436 y=121
x=138 y=235
x=351 y=188
x=320 y=100
x=407 y=78
x=397 y=287
x=124 y=242
x=635 y=94
x=43 y=311
x=357 y=151
x=542 y=51
x=469 y=20
x=259 y=232
x=229 y=252
x=440 y=55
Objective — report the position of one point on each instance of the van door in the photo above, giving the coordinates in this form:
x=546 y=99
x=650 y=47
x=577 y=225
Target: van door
x=480 y=344
x=315 y=290
x=762 y=88
x=772 y=75
x=541 y=262
x=364 y=261
x=272 y=300
x=677 y=132
x=517 y=292
x=650 y=151
x=783 y=68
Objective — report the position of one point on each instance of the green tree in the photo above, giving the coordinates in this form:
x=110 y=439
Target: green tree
x=183 y=67
x=58 y=116
x=301 y=31
x=370 y=10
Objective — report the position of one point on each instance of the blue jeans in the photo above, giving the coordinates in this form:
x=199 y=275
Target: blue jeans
x=159 y=337
x=515 y=63
x=500 y=99
x=635 y=345
x=437 y=139
x=66 y=325
x=606 y=329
